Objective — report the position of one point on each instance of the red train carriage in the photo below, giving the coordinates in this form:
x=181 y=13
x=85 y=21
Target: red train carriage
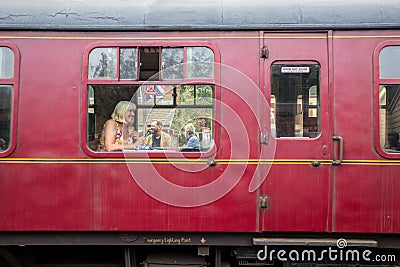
x=296 y=109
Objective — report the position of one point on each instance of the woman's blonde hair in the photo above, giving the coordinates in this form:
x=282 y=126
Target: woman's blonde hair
x=190 y=128
x=120 y=109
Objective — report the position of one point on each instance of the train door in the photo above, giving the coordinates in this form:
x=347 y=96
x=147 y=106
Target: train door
x=297 y=187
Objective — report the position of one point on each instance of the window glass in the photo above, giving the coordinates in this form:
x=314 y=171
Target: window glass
x=6 y=96
x=389 y=62
x=155 y=95
x=5 y=116
x=295 y=100
x=186 y=95
x=128 y=63
x=173 y=105
x=200 y=62
x=172 y=63
x=103 y=63
x=6 y=63
x=204 y=94
x=389 y=117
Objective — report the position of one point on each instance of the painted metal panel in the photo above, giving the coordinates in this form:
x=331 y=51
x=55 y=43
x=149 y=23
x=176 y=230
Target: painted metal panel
x=298 y=185
x=49 y=183
x=365 y=185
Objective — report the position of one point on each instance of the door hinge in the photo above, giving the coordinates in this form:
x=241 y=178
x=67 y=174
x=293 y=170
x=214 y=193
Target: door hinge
x=263 y=202
x=264 y=52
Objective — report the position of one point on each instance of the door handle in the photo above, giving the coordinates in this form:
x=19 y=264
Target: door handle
x=338 y=161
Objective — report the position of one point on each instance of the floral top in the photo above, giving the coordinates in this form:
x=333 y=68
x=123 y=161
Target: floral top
x=119 y=139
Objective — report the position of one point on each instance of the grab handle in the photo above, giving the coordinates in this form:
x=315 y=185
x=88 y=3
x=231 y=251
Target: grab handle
x=338 y=161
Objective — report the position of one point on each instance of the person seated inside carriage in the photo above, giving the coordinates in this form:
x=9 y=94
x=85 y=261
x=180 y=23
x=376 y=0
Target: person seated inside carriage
x=393 y=139
x=156 y=138
x=118 y=132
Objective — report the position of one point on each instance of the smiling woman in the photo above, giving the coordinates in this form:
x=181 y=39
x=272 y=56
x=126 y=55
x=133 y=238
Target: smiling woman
x=118 y=132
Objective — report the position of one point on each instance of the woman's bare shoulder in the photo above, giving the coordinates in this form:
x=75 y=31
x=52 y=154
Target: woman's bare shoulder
x=110 y=124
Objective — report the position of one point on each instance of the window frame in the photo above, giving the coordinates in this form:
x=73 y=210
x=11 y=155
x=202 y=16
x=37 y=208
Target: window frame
x=117 y=81
x=376 y=101
x=14 y=83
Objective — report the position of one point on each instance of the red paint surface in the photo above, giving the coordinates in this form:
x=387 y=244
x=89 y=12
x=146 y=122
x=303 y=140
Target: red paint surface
x=104 y=196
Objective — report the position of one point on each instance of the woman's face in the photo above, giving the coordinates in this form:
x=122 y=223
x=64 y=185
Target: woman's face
x=130 y=115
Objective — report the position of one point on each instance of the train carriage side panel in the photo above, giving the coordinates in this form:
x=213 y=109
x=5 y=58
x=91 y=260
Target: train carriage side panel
x=365 y=198
x=59 y=183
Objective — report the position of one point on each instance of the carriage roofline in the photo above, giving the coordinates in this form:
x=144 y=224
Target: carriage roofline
x=144 y=15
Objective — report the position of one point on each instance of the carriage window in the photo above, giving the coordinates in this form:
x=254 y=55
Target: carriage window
x=5 y=116
x=389 y=99
x=128 y=63
x=6 y=96
x=200 y=62
x=102 y=63
x=172 y=102
x=389 y=59
x=389 y=117
x=295 y=103
x=172 y=63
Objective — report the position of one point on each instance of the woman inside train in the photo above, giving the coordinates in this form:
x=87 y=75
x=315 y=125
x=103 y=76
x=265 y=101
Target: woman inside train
x=118 y=132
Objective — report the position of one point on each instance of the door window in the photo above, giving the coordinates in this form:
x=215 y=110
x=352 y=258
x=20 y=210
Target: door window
x=295 y=100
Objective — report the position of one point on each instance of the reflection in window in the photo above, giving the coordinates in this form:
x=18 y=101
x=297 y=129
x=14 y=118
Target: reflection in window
x=128 y=63
x=6 y=96
x=389 y=99
x=103 y=63
x=174 y=105
x=172 y=63
x=389 y=62
x=389 y=117
x=6 y=63
x=313 y=102
x=5 y=116
x=295 y=105
x=200 y=62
